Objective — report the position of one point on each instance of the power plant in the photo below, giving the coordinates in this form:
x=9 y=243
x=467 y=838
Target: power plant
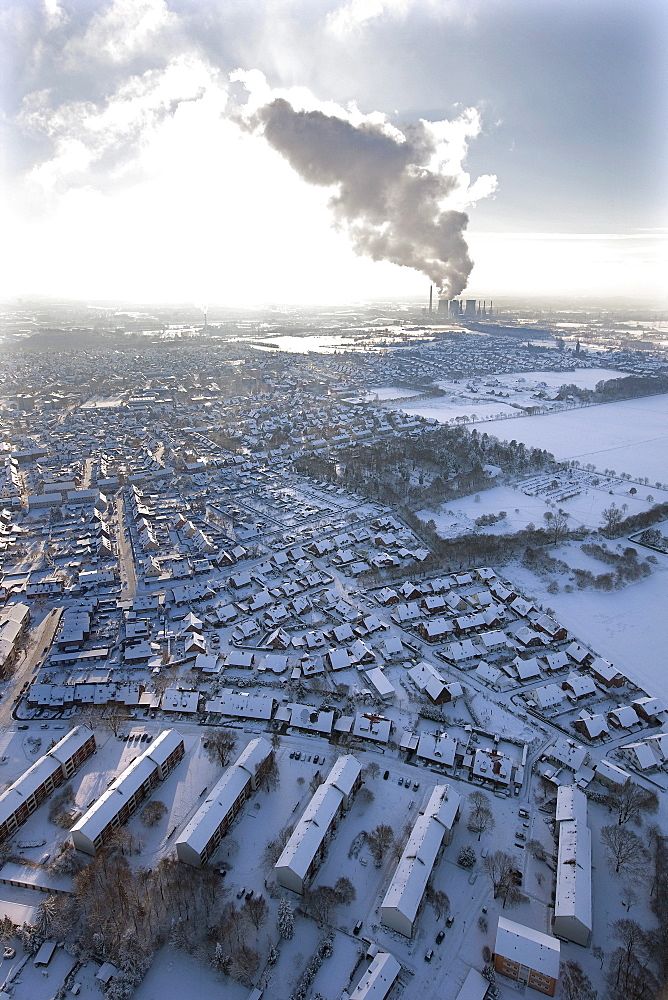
x=460 y=308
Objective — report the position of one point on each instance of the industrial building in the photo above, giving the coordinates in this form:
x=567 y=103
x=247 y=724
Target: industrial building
x=58 y=765
x=203 y=833
x=126 y=793
x=431 y=832
x=306 y=847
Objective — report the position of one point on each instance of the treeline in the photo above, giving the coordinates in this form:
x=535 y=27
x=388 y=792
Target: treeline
x=627 y=387
x=639 y=521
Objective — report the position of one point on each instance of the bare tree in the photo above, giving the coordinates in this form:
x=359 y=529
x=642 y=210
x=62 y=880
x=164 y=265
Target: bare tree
x=539 y=851
x=242 y=965
x=633 y=800
x=372 y=769
x=628 y=976
x=380 y=841
x=267 y=774
x=480 y=817
x=114 y=718
x=321 y=902
x=502 y=868
x=625 y=849
x=220 y=745
x=315 y=782
x=439 y=901
x=598 y=953
x=153 y=812
x=256 y=910
x=365 y=796
x=274 y=848
x=575 y=984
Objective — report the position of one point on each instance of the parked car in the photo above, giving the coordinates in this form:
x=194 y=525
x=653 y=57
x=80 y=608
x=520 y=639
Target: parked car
x=386 y=775
x=440 y=936
x=429 y=954
x=358 y=927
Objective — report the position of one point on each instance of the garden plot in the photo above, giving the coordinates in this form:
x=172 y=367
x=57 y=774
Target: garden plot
x=457 y=517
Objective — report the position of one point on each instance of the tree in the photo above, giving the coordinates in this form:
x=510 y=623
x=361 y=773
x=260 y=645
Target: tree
x=467 y=857
x=613 y=517
x=628 y=976
x=539 y=852
x=632 y=800
x=256 y=910
x=575 y=984
x=372 y=769
x=321 y=902
x=315 y=782
x=346 y=890
x=557 y=524
x=153 y=812
x=220 y=746
x=439 y=901
x=480 y=817
x=267 y=774
x=625 y=849
x=286 y=919
x=502 y=868
x=380 y=841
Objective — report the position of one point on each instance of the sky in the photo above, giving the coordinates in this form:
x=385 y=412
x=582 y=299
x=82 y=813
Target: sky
x=252 y=152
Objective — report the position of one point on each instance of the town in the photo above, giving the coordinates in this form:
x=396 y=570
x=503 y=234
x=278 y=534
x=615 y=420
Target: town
x=280 y=687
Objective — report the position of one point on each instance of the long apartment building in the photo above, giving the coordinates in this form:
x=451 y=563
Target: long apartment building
x=126 y=793
x=572 y=918
x=306 y=847
x=431 y=832
x=202 y=835
x=56 y=766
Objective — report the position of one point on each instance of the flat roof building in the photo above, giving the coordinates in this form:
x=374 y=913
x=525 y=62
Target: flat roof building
x=573 y=902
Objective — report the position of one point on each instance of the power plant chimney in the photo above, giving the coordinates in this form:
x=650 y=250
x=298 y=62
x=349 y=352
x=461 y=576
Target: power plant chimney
x=431 y=299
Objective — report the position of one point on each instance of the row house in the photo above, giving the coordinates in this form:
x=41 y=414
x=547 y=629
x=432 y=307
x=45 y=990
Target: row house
x=306 y=847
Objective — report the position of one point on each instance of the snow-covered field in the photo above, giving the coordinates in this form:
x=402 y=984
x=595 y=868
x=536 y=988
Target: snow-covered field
x=470 y=397
x=628 y=436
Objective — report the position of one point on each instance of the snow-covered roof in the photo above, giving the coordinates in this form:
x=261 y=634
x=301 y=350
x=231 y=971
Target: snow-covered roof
x=571 y=804
x=526 y=946
x=326 y=802
x=573 y=892
x=198 y=832
x=242 y=705
x=412 y=873
x=378 y=979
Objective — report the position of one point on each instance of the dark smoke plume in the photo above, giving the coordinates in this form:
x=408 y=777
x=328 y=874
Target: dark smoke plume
x=389 y=198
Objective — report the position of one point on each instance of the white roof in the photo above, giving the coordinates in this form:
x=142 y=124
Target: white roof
x=526 y=946
x=423 y=673
x=439 y=747
x=223 y=795
x=412 y=873
x=573 y=894
x=378 y=979
x=571 y=804
x=315 y=821
x=383 y=686
x=242 y=705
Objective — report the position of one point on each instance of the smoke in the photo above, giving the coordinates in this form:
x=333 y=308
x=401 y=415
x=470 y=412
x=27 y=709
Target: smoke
x=394 y=190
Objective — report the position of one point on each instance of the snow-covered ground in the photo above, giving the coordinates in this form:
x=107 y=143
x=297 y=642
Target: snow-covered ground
x=456 y=517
